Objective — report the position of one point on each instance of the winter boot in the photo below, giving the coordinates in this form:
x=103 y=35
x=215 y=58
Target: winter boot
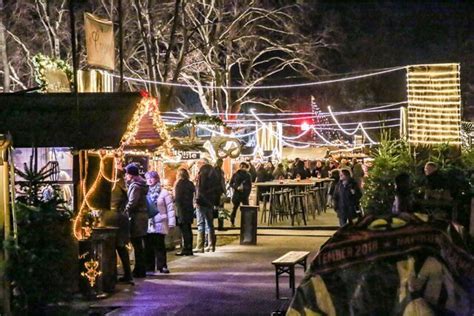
x=199 y=243
x=211 y=237
x=214 y=241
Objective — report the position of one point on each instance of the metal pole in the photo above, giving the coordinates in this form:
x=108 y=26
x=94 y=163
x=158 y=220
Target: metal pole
x=120 y=44
x=72 y=21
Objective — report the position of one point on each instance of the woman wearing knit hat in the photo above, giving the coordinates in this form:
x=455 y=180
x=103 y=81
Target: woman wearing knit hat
x=137 y=211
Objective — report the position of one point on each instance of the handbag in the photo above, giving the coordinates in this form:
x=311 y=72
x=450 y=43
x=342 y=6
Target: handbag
x=151 y=207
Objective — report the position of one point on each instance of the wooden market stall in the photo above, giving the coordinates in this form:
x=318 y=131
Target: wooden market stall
x=92 y=129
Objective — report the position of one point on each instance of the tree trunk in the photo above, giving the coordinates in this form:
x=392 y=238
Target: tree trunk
x=3 y=51
x=146 y=42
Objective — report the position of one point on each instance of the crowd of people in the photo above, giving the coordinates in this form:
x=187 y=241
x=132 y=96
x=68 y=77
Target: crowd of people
x=146 y=211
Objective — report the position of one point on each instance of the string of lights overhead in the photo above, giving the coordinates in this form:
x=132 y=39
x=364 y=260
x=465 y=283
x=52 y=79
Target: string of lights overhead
x=369 y=109
x=264 y=87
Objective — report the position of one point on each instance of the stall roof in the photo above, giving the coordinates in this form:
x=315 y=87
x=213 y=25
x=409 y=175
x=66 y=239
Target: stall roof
x=97 y=120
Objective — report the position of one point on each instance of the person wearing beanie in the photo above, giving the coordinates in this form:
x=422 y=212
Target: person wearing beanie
x=136 y=209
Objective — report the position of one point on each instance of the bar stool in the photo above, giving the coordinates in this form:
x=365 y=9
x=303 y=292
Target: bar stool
x=286 y=203
x=316 y=200
x=283 y=211
x=298 y=207
x=276 y=207
x=324 y=195
x=309 y=201
x=266 y=199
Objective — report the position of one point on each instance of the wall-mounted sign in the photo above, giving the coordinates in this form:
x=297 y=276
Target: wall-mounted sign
x=188 y=155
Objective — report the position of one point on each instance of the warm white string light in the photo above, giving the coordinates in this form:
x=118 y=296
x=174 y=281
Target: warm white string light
x=434 y=104
x=268 y=87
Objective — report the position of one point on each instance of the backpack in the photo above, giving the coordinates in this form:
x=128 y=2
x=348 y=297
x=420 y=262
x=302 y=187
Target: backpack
x=151 y=207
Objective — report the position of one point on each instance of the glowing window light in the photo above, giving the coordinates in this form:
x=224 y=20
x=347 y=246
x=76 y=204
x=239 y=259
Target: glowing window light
x=434 y=104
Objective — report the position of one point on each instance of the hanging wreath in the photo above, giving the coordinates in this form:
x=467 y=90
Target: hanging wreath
x=42 y=62
x=196 y=120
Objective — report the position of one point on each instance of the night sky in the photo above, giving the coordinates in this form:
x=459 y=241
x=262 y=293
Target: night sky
x=381 y=34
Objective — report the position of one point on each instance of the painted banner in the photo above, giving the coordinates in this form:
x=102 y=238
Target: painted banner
x=389 y=265
x=100 y=43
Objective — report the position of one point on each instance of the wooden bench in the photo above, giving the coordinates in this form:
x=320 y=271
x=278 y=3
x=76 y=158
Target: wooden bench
x=286 y=264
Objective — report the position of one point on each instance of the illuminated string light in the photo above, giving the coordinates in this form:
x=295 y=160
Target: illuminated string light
x=252 y=87
x=434 y=107
x=286 y=140
x=146 y=106
x=166 y=114
x=359 y=126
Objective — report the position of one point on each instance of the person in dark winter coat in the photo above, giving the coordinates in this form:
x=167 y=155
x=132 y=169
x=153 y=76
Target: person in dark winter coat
x=136 y=209
x=357 y=171
x=251 y=170
x=241 y=182
x=184 y=196
x=299 y=170
x=118 y=218
x=221 y=178
x=280 y=172
x=207 y=193
x=346 y=197
x=320 y=171
x=403 y=198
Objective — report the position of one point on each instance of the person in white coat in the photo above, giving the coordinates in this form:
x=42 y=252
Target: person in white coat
x=158 y=225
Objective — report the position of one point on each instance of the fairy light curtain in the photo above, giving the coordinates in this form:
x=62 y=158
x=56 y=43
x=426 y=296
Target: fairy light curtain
x=434 y=104
x=269 y=137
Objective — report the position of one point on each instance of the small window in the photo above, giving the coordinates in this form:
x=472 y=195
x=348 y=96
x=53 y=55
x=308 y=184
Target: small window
x=61 y=157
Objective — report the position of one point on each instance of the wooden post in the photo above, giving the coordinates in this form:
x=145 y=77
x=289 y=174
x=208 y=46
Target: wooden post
x=5 y=218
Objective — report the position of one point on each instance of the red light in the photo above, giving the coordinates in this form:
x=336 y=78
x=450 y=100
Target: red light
x=305 y=126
